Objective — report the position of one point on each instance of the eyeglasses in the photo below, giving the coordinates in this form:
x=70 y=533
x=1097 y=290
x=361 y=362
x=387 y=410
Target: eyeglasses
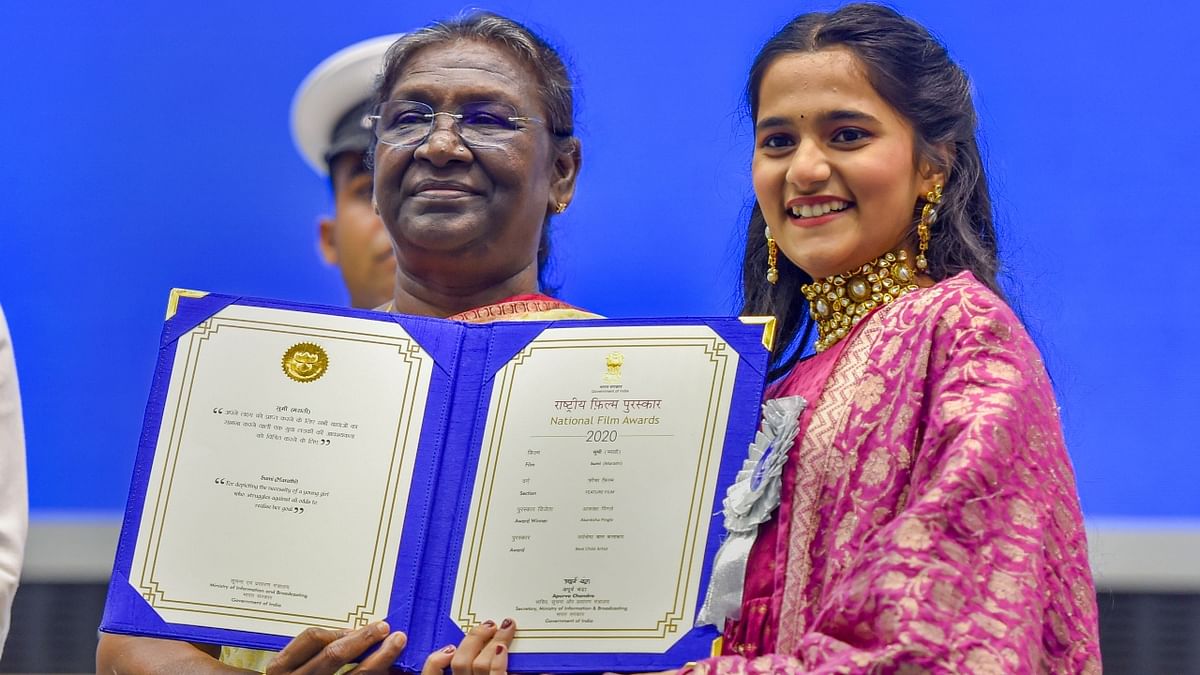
x=483 y=124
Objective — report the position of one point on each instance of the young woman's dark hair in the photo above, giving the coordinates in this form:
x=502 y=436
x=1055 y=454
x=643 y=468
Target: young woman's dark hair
x=912 y=71
x=556 y=92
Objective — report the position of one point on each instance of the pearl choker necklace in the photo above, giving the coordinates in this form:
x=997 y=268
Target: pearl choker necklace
x=839 y=302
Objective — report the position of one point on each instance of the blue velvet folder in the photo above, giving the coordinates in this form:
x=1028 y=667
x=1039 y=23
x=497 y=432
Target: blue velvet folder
x=445 y=462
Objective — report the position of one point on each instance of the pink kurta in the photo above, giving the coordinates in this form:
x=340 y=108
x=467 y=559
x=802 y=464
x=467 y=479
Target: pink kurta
x=929 y=520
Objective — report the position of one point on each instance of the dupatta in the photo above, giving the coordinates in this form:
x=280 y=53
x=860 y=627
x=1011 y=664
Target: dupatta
x=933 y=523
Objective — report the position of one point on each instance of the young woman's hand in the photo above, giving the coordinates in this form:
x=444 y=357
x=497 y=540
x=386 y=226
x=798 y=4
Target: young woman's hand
x=484 y=651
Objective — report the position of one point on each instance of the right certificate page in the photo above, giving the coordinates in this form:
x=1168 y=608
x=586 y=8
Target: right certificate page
x=595 y=488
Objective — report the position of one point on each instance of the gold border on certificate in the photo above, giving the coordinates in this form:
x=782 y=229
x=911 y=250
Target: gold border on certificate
x=721 y=361
x=372 y=604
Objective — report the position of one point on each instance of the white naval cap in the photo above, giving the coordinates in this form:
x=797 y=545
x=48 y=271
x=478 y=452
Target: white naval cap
x=341 y=84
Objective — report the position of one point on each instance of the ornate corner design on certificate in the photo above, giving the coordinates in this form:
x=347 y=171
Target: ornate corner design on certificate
x=176 y=294
x=294 y=472
x=595 y=480
x=768 y=324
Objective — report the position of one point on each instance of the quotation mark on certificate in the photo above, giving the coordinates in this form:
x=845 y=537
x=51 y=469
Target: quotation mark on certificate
x=287 y=424
x=281 y=494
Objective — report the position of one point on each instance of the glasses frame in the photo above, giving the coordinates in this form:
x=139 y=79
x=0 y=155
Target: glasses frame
x=373 y=118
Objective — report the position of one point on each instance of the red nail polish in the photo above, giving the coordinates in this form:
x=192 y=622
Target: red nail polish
x=499 y=649
x=506 y=623
x=489 y=623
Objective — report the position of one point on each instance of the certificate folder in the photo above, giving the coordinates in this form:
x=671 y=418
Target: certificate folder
x=305 y=466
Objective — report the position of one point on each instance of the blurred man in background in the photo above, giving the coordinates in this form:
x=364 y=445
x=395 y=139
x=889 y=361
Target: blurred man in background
x=14 y=500
x=327 y=127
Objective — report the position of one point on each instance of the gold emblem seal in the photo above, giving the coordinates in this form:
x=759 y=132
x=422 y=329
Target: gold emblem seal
x=613 y=363
x=305 y=362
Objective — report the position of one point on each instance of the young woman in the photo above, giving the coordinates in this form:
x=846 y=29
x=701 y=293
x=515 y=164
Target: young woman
x=928 y=519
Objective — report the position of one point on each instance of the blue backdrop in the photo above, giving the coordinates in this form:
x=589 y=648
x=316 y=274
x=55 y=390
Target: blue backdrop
x=145 y=145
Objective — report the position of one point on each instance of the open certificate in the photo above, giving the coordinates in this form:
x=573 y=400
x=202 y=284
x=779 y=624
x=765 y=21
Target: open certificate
x=314 y=466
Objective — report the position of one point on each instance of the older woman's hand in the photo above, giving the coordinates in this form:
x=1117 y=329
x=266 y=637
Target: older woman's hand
x=320 y=650
x=484 y=651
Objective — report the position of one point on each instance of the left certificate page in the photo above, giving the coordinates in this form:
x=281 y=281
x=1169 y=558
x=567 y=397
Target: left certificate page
x=285 y=450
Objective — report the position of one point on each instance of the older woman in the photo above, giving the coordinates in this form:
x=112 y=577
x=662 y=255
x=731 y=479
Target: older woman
x=475 y=154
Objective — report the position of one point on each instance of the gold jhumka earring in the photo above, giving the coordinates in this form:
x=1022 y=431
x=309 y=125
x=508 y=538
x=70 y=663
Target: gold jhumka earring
x=929 y=216
x=772 y=258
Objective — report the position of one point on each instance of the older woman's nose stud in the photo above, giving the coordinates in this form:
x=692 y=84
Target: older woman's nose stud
x=443 y=140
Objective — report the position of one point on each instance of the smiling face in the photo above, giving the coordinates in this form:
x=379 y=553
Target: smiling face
x=834 y=169
x=470 y=218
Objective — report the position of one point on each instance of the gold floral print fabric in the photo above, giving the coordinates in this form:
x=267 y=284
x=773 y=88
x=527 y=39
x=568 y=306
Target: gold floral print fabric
x=934 y=526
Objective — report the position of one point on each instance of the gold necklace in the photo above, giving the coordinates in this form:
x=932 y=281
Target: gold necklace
x=839 y=302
